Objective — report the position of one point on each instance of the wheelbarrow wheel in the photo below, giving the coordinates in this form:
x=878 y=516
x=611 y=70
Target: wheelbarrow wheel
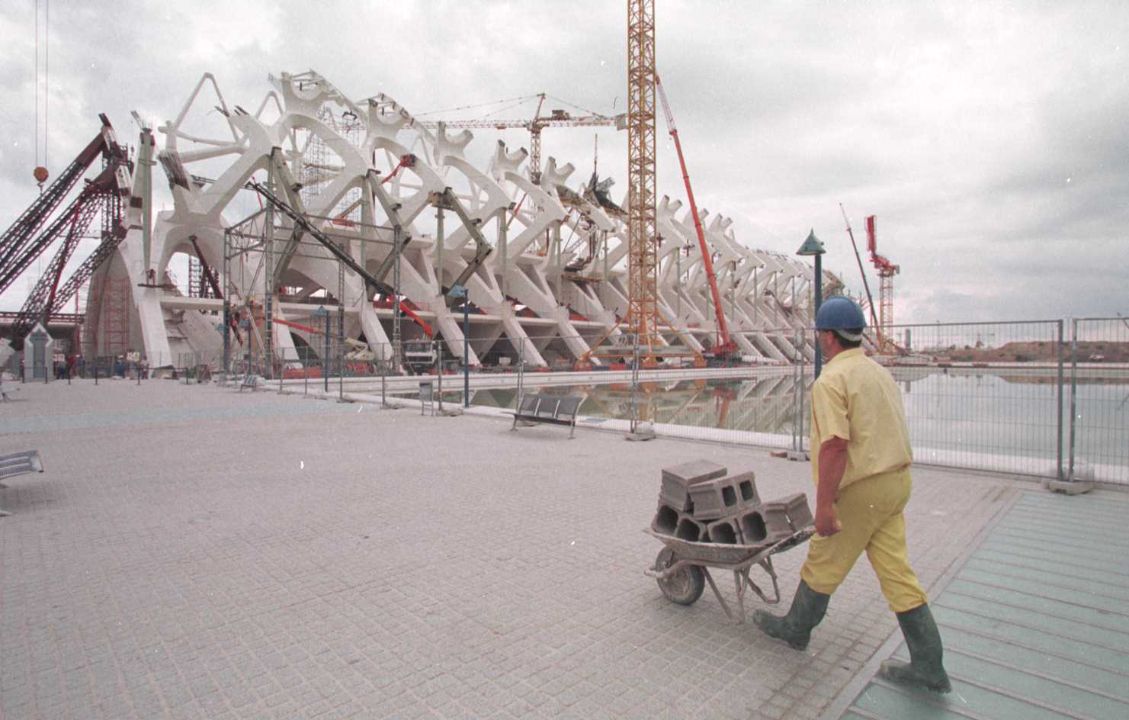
x=684 y=586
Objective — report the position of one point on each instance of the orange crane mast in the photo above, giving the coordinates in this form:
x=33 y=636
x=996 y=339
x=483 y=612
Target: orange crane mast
x=725 y=345
x=642 y=226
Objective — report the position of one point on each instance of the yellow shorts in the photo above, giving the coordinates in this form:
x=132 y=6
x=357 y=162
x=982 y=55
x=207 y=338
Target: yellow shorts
x=870 y=511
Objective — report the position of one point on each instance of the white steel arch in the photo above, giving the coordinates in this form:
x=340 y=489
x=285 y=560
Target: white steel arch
x=553 y=282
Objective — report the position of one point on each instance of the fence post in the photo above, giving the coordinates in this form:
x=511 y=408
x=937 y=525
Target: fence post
x=439 y=371
x=520 y=374
x=798 y=377
x=466 y=349
x=634 y=384
x=1073 y=392
x=383 y=383
x=1058 y=352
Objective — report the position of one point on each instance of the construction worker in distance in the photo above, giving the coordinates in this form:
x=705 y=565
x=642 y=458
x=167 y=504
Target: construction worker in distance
x=862 y=476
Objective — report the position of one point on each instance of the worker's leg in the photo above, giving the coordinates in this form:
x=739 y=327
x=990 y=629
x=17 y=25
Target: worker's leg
x=862 y=508
x=889 y=558
x=828 y=562
x=926 y=668
x=807 y=610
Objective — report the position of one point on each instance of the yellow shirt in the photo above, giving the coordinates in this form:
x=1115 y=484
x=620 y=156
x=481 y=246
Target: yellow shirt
x=857 y=400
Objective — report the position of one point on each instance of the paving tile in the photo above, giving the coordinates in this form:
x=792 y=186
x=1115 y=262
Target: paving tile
x=312 y=559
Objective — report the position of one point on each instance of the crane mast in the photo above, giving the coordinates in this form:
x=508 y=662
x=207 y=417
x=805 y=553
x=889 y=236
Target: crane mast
x=725 y=345
x=642 y=286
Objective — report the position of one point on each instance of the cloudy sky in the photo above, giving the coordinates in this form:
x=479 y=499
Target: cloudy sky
x=990 y=138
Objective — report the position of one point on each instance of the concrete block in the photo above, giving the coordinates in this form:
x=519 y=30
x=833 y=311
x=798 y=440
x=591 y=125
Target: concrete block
x=798 y=511
x=746 y=484
x=690 y=529
x=775 y=516
x=752 y=528
x=713 y=499
x=723 y=531
x=666 y=520
x=677 y=480
x=1069 y=487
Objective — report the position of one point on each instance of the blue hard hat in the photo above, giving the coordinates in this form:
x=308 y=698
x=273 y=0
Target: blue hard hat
x=840 y=313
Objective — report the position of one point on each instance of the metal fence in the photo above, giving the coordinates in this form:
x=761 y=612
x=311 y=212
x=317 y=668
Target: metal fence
x=985 y=396
x=1045 y=399
x=1097 y=435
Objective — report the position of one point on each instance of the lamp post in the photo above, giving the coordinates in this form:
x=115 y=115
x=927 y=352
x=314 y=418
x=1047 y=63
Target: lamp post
x=813 y=246
x=458 y=291
x=322 y=313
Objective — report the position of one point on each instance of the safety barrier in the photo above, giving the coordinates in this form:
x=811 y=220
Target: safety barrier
x=1046 y=398
x=1097 y=432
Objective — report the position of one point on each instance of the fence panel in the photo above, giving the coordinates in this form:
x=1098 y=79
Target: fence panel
x=1041 y=398
x=1098 y=432
x=983 y=396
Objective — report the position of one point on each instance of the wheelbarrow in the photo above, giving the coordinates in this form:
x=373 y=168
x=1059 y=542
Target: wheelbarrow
x=682 y=568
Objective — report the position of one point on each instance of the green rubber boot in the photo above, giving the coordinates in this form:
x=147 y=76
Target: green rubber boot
x=808 y=608
x=925 y=669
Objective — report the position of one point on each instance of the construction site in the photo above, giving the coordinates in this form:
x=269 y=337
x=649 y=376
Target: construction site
x=281 y=444
x=317 y=202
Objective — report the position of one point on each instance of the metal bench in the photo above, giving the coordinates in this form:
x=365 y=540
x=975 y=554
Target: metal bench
x=19 y=463
x=553 y=409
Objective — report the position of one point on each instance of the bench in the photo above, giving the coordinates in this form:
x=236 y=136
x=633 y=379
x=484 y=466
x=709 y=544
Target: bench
x=19 y=463
x=553 y=409
x=249 y=380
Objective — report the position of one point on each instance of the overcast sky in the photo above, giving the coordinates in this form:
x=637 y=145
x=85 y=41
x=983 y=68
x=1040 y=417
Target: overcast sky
x=990 y=138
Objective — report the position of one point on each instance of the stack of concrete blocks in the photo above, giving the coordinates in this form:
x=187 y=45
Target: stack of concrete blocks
x=700 y=502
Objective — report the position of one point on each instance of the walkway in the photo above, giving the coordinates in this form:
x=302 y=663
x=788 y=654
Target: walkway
x=196 y=552
x=1036 y=622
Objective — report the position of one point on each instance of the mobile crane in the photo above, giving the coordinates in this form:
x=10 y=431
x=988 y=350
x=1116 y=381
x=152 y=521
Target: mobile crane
x=724 y=348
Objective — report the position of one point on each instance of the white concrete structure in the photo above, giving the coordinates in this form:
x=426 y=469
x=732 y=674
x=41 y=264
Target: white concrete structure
x=553 y=284
x=39 y=355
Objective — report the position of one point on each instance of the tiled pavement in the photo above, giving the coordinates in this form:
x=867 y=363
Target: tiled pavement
x=195 y=552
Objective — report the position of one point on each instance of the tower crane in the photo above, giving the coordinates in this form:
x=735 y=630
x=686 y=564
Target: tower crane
x=725 y=345
x=642 y=225
x=555 y=118
x=886 y=272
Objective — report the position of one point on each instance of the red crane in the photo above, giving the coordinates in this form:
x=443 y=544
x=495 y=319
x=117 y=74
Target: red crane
x=725 y=346
x=886 y=272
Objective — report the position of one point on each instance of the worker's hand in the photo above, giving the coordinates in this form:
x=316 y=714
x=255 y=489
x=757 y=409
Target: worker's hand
x=827 y=521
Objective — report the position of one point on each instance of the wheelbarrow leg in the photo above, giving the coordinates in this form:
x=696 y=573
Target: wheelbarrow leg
x=720 y=599
x=740 y=577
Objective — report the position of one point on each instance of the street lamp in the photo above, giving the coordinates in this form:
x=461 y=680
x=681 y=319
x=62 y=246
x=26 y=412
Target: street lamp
x=459 y=291
x=813 y=246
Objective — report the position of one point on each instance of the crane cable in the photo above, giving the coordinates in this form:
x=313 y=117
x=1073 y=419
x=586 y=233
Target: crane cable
x=44 y=79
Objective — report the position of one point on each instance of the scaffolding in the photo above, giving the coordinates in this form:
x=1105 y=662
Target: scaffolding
x=116 y=296
x=251 y=253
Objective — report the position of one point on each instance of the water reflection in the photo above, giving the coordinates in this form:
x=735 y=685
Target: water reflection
x=964 y=411
x=764 y=404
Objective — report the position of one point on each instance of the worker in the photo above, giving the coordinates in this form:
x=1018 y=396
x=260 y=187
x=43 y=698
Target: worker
x=862 y=474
